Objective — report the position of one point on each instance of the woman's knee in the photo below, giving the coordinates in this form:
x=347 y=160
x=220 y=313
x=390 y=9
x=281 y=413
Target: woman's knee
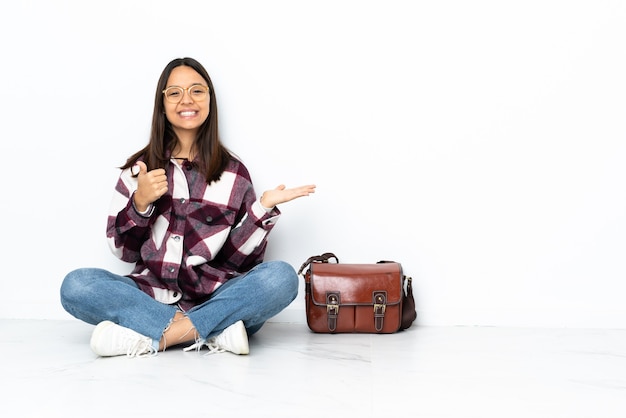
x=72 y=282
x=283 y=276
x=73 y=285
x=79 y=284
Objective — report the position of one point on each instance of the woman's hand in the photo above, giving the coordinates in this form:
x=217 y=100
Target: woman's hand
x=281 y=194
x=150 y=186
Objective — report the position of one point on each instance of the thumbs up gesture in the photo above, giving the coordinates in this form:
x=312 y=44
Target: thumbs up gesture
x=151 y=185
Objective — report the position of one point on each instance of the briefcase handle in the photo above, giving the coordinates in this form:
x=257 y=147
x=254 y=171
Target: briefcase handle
x=318 y=259
x=324 y=258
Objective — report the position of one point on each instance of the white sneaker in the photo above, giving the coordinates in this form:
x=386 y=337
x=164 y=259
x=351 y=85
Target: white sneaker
x=109 y=339
x=233 y=339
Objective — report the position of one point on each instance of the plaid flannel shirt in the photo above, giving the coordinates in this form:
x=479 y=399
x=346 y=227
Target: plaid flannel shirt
x=196 y=237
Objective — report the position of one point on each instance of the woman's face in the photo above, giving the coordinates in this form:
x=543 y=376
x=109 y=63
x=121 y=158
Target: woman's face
x=188 y=114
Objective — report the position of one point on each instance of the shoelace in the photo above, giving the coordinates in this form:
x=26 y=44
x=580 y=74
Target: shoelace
x=213 y=347
x=196 y=346
x=201 y=342
x=141 y=348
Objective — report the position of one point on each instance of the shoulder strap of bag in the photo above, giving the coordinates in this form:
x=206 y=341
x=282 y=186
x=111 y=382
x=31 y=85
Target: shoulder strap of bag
x=409 y=314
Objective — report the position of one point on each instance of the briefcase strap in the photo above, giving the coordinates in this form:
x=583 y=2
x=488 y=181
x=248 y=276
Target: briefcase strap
x=333 y=300
x=380 y=305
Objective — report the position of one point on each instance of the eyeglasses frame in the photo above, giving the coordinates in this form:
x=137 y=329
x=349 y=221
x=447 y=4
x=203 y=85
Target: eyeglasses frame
x=208 y=91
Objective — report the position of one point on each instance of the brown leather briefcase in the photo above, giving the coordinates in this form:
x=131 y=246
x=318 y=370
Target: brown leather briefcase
x=366 y=298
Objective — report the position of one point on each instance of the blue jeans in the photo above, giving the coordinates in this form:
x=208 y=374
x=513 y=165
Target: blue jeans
x=95 y=295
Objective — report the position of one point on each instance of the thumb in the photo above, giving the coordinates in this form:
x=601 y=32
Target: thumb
x=139 y=168
x=281 y=187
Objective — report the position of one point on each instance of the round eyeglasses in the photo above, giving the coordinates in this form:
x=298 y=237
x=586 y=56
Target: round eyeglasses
x=175 y=94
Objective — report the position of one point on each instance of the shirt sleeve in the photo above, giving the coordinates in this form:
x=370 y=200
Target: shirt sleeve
x=127 y=229
x=245 y=246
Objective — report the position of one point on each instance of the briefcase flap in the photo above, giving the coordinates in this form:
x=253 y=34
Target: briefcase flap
x=356 y=284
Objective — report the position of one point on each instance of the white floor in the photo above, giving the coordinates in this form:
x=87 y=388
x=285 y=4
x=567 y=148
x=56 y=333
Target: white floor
x=48 y=370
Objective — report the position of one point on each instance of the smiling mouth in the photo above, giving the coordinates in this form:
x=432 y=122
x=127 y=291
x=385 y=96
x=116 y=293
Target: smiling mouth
x=187 y=113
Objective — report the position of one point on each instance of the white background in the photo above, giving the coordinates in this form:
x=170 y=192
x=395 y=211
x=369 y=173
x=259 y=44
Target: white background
x=479 y=143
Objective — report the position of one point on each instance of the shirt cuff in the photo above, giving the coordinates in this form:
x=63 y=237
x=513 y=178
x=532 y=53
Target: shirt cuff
x=146 y=213
x=268 y=210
